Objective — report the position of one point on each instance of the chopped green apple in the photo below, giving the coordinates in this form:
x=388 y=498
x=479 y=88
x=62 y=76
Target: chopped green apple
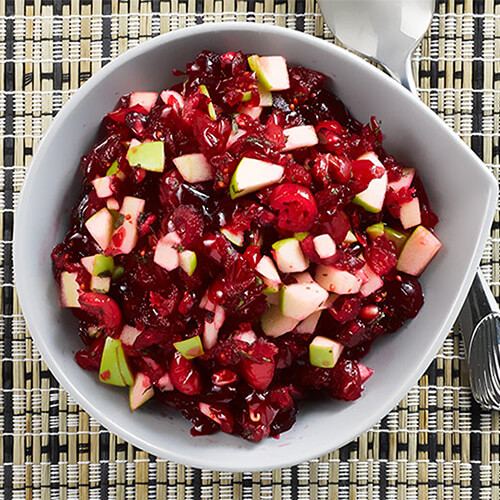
x=269 y=273
x=302 y=136
x=274 y=324
x=103 y=266
x=308 y=325
x=112 y=204
x=350 y=238
x=188 y=261
x=336 y=280
x=375 y=230
x=164 y=383
x=253 y=112
x=147 y=155
x=141 y=391
x=69 y=290
x=405 y=181
x=88 y=263
x=124 y=237
x=289 y=256
x=100 y=284
x=194 y=167
x=398 y=238
x=271 y=71
x=167 y=251
x=129 y=335
x=211 y=109
x=213 y=324
x=248 y=337
x=237 y=238
x=301 y=236
x=252 y=174
x=372 y=282
x=372 y=198
x=419 y=250
x=173 y=99
x=304 y=277
x=299 y=300
x=324 y=352
x=145 y=99
x=115 y=170
x=324 y=246
x=266 y=98
x=103 y=186
x=100 y=226
x=114 y=368
x=409 y=213
x=190 y=348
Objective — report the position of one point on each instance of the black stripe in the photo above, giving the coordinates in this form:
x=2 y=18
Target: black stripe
x=196 y=483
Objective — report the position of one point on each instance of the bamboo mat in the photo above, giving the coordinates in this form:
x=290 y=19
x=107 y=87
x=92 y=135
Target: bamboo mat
x=435 y=444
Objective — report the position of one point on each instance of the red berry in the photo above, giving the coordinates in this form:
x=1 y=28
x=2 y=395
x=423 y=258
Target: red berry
x=103 y=309
x=184 y=375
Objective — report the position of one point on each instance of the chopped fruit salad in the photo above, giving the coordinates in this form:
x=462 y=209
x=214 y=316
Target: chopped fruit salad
x=239 y=242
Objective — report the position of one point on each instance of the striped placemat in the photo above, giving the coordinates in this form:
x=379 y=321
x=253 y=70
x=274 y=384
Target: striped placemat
x=435 y=444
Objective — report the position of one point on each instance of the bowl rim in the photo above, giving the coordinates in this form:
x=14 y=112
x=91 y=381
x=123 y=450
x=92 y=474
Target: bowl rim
x=363 y=424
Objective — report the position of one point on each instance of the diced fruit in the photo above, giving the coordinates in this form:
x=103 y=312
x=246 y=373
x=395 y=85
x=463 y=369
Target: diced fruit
x=373 y=283
x=211 y=328
x=375 y=230
x=405 y=181
x=146 y=99
x=103 y=266
x=304 y=277
x=309 y=325
x=167 y=251
x=398 y=238
x=99 y=284
x=184 y=375
x=269 y=273
x=301 y=236
x=129 y=335
x=237 y=238
x=271 y=71
x=69 y=290
x=148 y=156
x=114 y=368
x=112 y=204
x=372 y=198
x=190 y=348
x=124 y=237
x=266 y=98
x=289 y=256
x=173 y=99
x=274 y=323
x=364 y=372
x=249 y=337
x=100 y=226
x=164 y=383
x=141 y=391
x=409 y=213
x=88 y=263
x=103 y=309
x=188 y=261
x=234 y=136
x=251 y=175
x=350 y=238
x=253 y=112
x=299 y=300
x=194 y=167
x=113 y=169
x=324 y=352
x=102 y=186
x=303 y=136
x=336 y=280
x=211 y=109
x=324 y=246
x=419 y=250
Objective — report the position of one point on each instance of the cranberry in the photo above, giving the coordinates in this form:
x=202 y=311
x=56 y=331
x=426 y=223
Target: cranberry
x=353 y=333
x=381 y=255
x=345 y=308
x=257 y=367
x=90 y=359
x=346 y=381
x=184 y=375
x=224 y=377
x=188 y=222
x=103 y=309
x=296 y=206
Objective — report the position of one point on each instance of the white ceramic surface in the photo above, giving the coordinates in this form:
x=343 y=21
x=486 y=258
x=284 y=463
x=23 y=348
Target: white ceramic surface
x=461 y=189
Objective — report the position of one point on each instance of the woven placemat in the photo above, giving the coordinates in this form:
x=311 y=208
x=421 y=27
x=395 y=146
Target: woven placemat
x=435 y=444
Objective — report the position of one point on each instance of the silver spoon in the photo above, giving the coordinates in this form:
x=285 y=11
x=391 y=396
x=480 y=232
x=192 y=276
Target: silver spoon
x=387 y=32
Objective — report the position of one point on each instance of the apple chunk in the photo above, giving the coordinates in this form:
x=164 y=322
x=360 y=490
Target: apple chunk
x=372 y=198
x=100 y=226
x=251 y=175
x=419 y=250
x=190 y=348
x=146 y=99
x=114 y=368
x=269 y=273
x=69 y=290
x=303 y=136
x=324 y=352
x=147 y=155
x=289 y=256
x=271 y=71
x=324 y=246
x=194 y=167
x=124 y=237
x=274 y=323
x=167 y=252
x=141 y=391
x=299 y=300
x=409 y=213
x=103 y=186
x=338 y=281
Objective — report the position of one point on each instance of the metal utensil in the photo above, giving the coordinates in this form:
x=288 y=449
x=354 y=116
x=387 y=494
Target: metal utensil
x=387 y=32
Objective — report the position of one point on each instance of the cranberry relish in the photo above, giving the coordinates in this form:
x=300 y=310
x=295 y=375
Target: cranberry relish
x=214 y=220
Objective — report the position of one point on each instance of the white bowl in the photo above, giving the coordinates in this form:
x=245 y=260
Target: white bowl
x=462 y=192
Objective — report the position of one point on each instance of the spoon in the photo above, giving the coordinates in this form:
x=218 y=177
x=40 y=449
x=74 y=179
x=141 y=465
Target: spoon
x=387 y=32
